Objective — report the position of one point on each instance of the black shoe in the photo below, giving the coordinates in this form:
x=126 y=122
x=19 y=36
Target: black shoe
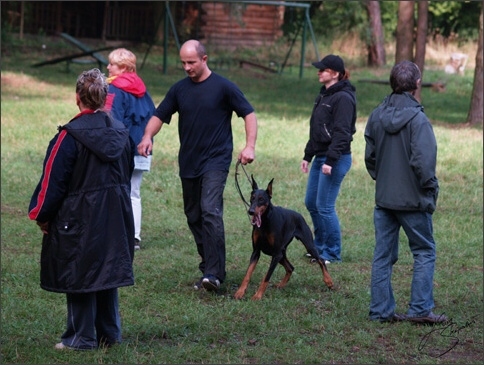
x=136 y=244
x=431 y=318
x=395 y=318
x=211 y=283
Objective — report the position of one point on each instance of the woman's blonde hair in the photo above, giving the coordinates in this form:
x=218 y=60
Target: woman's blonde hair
x=121 y=57
x=92 y=88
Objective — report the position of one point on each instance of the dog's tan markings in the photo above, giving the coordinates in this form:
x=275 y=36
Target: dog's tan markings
x=326 y=277
x=262 y=288
x=271 y=239
x=255 y=236
x=285 y=279
x=243 y=286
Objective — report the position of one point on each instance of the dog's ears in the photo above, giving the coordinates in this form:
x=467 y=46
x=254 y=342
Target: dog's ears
x=269 y=188
x=254 y=184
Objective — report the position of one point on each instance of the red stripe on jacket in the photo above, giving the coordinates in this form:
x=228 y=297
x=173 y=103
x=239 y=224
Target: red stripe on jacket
x=45 y=181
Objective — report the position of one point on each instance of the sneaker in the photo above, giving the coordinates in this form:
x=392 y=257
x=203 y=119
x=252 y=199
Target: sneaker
x=211 y=283
x=313 y=261
x=198 y=284
x=61 y=346
x=136 y=244
x=431 y=318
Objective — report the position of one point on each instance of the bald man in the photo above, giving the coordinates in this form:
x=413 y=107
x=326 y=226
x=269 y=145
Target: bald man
x=205 y=102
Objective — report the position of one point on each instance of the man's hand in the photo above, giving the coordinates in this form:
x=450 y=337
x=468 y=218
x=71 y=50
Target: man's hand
x=145 y=146
x=247 y=155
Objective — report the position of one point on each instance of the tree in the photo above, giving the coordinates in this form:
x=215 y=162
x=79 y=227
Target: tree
x=405 y=25
x=376 y=46
x=474 y=116
x=422 y=27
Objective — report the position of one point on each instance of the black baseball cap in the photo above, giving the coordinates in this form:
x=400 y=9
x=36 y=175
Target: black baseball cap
x=332 y=62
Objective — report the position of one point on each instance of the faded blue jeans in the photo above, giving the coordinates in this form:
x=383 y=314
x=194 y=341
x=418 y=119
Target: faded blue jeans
x=321 y=193
x=418 y=228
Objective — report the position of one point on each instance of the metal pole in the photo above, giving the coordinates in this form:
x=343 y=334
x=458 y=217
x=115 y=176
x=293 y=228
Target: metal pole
x=165 y=39
x=312 y=34
x=303 y=47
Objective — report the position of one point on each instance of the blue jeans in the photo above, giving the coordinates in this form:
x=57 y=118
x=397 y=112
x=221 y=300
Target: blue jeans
x=203 y=204
x=418 y=228
x=321 y=194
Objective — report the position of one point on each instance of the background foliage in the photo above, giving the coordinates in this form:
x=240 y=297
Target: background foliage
x=456 y=19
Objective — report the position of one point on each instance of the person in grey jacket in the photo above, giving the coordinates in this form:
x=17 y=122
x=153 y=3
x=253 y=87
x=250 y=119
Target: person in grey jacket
x=401 y=155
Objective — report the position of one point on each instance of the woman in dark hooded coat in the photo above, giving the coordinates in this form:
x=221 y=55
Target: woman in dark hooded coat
x=82 y=205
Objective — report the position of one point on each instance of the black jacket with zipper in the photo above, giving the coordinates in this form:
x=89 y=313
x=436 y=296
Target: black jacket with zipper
x=332 y=123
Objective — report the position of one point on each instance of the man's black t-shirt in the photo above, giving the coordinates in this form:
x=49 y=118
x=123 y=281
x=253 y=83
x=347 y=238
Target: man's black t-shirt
x=204 y=124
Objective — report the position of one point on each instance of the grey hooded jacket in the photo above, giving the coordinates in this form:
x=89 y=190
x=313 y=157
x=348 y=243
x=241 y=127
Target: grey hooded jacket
x=401 y=155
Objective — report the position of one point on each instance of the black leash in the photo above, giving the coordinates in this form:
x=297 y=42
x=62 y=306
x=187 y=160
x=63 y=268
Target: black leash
x=238 y=186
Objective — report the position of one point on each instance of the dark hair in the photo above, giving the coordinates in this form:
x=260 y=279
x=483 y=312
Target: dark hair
x=92 y=88
x=404 y=77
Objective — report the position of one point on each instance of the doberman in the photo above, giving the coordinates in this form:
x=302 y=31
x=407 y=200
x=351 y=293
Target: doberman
x=273 y=229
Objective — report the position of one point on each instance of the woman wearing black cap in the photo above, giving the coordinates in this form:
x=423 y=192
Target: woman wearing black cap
x=331 y=131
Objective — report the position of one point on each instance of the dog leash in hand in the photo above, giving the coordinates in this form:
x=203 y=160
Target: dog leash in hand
x=237 y=181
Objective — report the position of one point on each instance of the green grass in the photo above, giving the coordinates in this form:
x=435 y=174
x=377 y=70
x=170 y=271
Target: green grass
x=164 y=319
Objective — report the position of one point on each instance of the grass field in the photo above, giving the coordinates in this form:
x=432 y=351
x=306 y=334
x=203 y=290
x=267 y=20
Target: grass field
x=164 y=320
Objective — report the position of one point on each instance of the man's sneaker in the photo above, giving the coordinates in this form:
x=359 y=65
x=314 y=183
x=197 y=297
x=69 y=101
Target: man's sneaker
x=198 y=284
x=431 y=318
x=210 y=283
x=136 y=244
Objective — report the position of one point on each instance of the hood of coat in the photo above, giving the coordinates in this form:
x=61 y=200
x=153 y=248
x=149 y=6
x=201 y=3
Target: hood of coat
x=397 y=110
x=343 y=85
x=129 y=82
x=99 y=133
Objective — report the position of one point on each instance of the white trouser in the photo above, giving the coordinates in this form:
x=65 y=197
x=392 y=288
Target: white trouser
x=136 y=201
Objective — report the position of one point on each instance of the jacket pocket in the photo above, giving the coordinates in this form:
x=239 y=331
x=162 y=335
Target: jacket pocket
x=69 y=237
x=325 y=133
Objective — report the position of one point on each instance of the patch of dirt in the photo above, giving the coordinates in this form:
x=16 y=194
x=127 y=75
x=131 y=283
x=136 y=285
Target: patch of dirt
x=13 y=81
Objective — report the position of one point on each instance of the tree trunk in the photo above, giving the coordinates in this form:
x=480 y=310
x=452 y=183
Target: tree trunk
x=404 y=49
x=376 y=47
x=475 y=112
x=422 y=26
